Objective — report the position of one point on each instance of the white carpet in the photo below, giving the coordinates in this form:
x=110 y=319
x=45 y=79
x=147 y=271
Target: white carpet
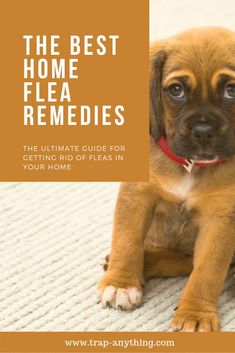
x=52 y=238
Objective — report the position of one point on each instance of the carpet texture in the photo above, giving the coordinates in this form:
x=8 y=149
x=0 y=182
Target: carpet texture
x=53 y=236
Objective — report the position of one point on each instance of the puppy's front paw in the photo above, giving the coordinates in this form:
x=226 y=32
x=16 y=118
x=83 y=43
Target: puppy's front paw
x=190 y=320
x=122 y=297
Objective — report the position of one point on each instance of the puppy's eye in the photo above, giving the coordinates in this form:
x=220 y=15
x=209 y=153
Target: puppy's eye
x=229 y=91
x=176 y=90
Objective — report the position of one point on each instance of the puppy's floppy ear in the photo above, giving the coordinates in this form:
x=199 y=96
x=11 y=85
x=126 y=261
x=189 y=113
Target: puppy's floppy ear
x=157 y=59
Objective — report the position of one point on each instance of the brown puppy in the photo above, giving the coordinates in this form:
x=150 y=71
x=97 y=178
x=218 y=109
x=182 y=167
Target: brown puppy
x=182 y=222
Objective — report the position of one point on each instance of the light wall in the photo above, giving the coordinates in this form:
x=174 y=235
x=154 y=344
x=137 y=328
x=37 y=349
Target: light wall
x=167 y=17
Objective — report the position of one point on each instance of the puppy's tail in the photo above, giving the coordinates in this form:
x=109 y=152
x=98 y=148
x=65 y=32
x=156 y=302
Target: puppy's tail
x=161 y=262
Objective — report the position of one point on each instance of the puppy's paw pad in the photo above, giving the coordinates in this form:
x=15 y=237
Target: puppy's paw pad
x=120 y=298
x=105 y=262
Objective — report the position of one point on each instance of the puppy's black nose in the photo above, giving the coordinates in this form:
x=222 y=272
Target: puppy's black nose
x=203 y=132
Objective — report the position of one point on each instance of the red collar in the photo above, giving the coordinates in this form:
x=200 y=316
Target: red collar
x=187 y=164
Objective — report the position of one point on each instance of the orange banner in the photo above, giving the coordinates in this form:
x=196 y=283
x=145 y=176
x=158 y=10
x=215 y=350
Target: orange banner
x=74 y=79
x=118 y=342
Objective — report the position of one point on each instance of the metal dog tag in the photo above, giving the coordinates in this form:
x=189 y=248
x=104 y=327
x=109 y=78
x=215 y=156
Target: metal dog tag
x=189 y=166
